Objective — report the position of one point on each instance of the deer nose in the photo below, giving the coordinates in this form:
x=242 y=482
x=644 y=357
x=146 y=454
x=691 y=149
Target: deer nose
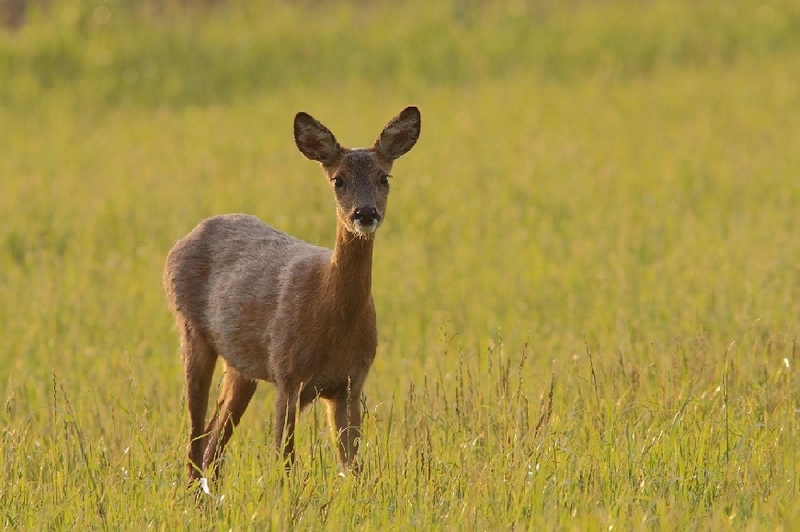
x=366 y=215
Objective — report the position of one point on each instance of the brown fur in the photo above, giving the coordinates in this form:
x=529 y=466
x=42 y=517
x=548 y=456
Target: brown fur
x=278 y=309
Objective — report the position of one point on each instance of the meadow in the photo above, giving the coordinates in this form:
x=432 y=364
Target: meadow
x=587 y=283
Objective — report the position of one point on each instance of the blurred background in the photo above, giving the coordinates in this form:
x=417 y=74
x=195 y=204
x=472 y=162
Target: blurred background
x=600 y=214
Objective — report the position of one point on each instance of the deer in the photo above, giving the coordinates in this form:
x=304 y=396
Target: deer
x=275 y=308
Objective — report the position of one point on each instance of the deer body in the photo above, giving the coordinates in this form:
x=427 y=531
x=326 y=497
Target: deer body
x=275 y=308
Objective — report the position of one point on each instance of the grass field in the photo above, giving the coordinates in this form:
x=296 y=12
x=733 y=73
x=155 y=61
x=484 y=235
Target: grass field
x=588 y=281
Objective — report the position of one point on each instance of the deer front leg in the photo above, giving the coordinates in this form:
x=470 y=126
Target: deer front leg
x=344 y=415
x=285 y=416
x=291 y=401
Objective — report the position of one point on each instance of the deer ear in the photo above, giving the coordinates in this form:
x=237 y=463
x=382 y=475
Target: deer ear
x=314 y=140
x=400 y=134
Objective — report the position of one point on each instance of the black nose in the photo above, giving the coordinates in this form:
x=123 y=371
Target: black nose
x=366 y=215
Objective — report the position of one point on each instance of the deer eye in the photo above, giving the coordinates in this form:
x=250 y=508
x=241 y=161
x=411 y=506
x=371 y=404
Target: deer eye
x=338 y=182
x=385 y=179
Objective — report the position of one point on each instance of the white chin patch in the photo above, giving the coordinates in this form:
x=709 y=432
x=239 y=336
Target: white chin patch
x=365 y=229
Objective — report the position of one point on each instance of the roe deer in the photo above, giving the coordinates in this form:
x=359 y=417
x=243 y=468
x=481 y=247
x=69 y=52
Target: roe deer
x=278 y=309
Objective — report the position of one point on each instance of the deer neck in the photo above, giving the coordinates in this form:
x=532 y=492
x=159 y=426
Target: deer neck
x=349 y=273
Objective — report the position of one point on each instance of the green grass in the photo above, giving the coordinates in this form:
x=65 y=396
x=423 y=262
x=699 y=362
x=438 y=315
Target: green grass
x=588 y=282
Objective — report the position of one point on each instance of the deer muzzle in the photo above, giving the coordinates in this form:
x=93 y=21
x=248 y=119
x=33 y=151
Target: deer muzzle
x=366 y=219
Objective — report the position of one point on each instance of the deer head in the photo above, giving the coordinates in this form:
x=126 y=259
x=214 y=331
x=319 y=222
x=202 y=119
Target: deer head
x=359 y=177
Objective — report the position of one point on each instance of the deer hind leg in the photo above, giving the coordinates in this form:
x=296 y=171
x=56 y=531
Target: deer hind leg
x=199 y=359
x=344 y=416
x=237 y=390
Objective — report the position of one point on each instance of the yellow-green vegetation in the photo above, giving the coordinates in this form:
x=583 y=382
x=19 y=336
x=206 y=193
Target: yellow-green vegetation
x=588 y=281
